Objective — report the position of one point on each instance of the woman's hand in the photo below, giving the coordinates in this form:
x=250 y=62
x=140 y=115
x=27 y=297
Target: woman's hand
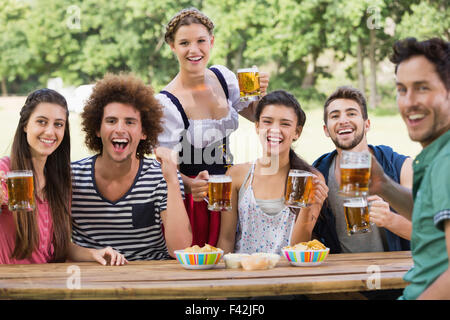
x=320 y=191
x=2 y=190
x=199 y=186
x=263 y=82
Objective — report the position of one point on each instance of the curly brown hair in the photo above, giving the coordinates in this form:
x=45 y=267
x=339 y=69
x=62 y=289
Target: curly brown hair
x=184 y=18
x=127 y=89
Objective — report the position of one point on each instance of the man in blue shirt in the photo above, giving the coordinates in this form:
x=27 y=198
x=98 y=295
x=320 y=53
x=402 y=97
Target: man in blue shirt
x=346 y=124
x=423 y=98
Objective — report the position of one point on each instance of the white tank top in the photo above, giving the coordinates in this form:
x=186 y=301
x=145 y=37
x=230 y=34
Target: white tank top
x=258 y=231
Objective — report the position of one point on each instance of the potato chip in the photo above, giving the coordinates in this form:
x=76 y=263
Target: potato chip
x=310 y=245
x=195 y=248
x=205 y=248
x=316 y=245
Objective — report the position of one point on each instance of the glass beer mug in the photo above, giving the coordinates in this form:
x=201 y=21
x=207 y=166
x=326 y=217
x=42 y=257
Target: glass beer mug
x=219 y=193
x=20 y=190
x=356 y=212
x=299 y=187
x=355 y=173
x=249 y=87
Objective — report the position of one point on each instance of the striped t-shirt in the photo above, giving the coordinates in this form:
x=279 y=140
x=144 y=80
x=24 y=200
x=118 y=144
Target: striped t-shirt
x=131 y=225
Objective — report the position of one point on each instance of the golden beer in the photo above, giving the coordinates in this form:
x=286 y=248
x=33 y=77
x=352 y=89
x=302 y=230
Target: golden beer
x=249 y=84
x=356 y=214
x=299 y=189
x=355 y=180
x=355 y=173
x=20 y=190
x=219 y=193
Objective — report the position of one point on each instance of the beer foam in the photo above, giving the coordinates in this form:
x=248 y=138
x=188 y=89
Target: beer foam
x=355 y=166
x=300 y=174
x=355 y=204
x=219 y=179
x=247 y=70
x=23 y=173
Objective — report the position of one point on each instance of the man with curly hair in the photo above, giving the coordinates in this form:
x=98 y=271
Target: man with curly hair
x=121 y=198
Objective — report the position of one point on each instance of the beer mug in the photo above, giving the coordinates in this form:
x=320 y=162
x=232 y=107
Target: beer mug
x=219 y=193
x=355 y=173
x=249 y=84
x=356 y=211
x=299 y=187
x=20 y=190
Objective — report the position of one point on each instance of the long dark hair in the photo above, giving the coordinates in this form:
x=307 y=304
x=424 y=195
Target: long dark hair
x=284 y=98
x=58 y=185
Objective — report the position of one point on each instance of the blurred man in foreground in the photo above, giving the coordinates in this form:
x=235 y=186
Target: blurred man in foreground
x=423 y=98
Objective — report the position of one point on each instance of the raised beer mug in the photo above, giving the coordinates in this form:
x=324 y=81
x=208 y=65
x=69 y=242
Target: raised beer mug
x=219 y=193
x=299 y=187
x=249 y=87
x=355 y=173
x=356 y=211
x=20 y=190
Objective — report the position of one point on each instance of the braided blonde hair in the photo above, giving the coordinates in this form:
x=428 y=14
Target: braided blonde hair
x=184 y=18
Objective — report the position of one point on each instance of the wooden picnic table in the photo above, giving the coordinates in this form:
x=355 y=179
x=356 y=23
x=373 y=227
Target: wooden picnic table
x=167 y=279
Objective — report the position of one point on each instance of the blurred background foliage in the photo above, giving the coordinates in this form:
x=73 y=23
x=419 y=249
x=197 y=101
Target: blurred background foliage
x=308 y=47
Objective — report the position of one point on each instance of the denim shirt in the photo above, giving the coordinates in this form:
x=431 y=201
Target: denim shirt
x=325 y=228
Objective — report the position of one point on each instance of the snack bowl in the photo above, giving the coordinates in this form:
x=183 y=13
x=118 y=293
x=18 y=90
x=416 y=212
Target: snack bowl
x=273 y=258
x=303 y=258
x=198 y=260
x=260 y=261
x=233 y=260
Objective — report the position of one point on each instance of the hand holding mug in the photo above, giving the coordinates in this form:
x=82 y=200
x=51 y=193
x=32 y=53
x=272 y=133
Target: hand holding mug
x=199 y=186
x=379 y=211
x=320 y=191
x=263 y=82
x=2 y=189
x=378 y=177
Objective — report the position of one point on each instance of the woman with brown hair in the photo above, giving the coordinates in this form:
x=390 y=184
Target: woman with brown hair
x=201 y=106
x=259 y=220
x=42 y=144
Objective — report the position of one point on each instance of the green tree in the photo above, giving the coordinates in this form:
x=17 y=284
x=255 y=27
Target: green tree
x=81 y=40
x=425 y=20
x=14 y=57
x=360 y=29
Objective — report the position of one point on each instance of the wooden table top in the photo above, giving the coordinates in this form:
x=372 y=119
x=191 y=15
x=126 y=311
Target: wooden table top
x=167 y=279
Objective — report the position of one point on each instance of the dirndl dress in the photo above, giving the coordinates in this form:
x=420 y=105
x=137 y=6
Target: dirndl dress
x=205 y=224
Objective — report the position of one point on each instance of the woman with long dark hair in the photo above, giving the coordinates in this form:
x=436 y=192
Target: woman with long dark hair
x=259 y=220
x=42 y=144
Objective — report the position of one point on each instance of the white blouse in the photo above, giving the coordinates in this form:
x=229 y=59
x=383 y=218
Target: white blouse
x=202 y=132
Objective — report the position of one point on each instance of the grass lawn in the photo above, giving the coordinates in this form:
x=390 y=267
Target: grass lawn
x=389 y=130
